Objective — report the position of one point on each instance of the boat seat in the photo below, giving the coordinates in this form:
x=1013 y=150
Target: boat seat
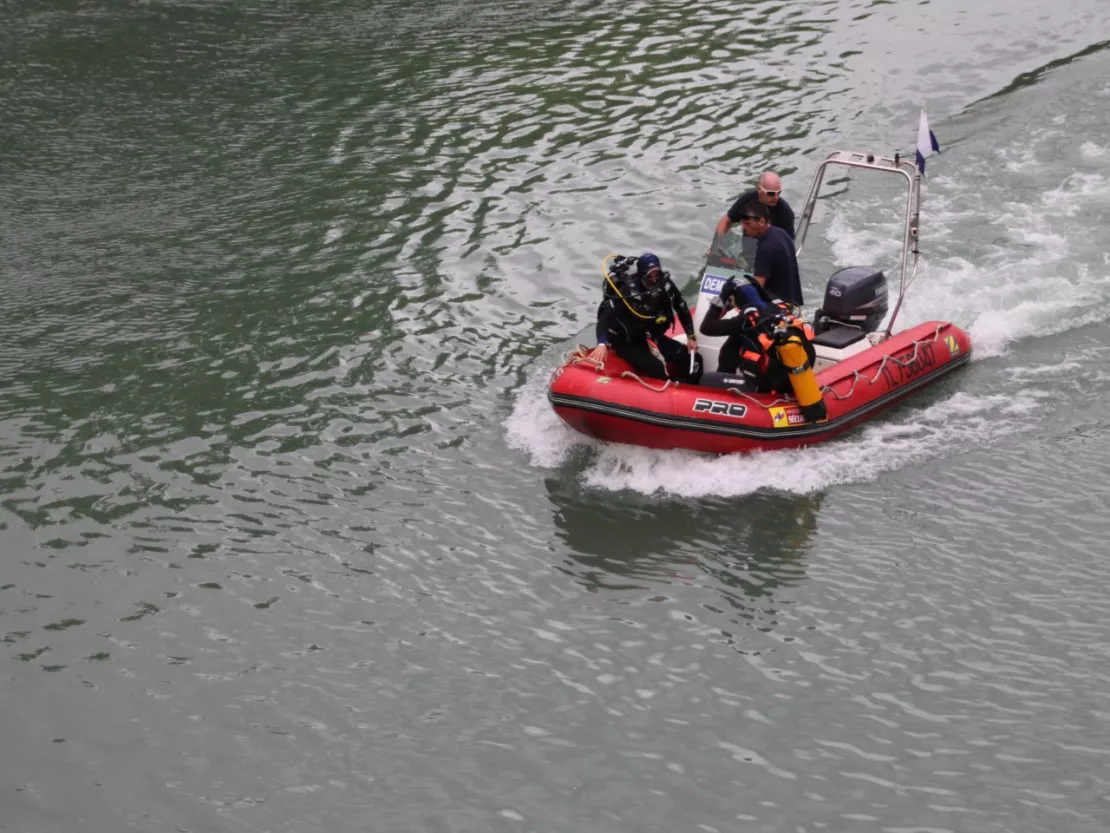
x=838 y=337
x=838 y=344
x=724 y=381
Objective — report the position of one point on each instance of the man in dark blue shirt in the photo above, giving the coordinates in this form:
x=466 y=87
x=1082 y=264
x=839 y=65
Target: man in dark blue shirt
x=776 y=263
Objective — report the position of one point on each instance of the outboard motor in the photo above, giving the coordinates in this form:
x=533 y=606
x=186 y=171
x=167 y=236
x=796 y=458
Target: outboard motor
x=855 y=297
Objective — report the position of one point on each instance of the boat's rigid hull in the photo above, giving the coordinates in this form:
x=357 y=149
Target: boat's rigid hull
x=611 y=404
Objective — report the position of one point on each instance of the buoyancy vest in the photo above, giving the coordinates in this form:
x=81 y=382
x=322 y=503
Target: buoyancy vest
x=758 y=358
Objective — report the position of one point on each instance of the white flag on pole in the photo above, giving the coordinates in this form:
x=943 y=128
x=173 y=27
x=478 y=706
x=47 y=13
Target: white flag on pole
x=926 y=142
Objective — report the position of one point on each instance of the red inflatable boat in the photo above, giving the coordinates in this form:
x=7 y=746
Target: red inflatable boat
x=859 y=371
x=613 y=403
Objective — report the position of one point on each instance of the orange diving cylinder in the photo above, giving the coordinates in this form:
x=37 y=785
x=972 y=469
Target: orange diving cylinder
x=792 y=353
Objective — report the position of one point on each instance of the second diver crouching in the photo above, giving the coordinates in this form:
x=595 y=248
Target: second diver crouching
x=768 y=349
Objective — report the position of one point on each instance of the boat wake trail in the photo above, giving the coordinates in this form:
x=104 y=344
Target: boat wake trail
x=910 y=436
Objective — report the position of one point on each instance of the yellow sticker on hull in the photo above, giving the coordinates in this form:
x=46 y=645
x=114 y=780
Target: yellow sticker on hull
x=952 y=345
x=785 y=417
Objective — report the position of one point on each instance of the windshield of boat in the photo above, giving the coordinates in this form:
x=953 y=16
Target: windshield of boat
x=734 y=252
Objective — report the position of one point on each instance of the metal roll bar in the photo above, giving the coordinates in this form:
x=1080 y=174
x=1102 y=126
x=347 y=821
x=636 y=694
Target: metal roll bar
x=884 y=164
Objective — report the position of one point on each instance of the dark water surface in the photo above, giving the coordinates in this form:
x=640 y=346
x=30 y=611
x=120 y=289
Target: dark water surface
x=291 y=541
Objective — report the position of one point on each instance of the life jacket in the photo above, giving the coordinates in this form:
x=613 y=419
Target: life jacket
x=759 y=361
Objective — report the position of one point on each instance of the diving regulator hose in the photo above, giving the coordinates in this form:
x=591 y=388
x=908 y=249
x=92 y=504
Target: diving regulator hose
x=609 y=280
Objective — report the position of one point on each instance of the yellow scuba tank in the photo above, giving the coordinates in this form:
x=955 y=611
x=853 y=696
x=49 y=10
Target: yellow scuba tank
x=791 y=349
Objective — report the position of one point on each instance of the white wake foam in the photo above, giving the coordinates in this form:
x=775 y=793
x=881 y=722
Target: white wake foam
x=1012 y=262
x=960 y=422
x=535 y=428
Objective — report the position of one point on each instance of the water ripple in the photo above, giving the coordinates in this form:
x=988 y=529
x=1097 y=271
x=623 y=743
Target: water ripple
x=272 y=283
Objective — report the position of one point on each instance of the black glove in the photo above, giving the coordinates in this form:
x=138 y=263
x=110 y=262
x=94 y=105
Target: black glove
x=728 y=293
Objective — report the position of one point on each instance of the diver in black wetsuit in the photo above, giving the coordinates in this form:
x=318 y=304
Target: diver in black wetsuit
x=635 y=314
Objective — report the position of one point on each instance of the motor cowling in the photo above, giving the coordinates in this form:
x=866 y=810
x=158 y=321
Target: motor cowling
x=855 y=297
